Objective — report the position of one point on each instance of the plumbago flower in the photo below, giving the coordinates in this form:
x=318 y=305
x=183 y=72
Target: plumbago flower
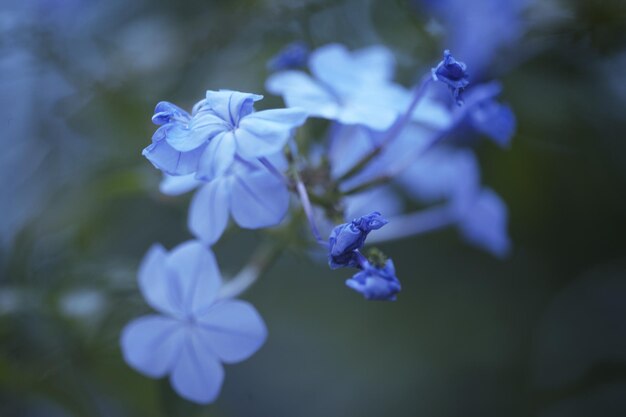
x=383 y=139
x=348 y=87
x=254 y=196
x=222 y=126
x=195 y=331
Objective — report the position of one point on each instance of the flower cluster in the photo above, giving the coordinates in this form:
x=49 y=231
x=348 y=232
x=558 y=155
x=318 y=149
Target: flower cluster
x=385 y=144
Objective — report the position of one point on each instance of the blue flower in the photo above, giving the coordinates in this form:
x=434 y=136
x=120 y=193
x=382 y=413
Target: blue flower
x=376 y=283
x=349 y=87
x=495 y=120
x=250 y=193
x=443 y=174
x=221 y=127
x=347 y=238
x=194 y=332
x=452 y=175
x=484 y=223
x=478 y=33
x=294 y=55
x=453 y=73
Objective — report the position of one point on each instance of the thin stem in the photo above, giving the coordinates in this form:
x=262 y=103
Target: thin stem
x=392 y=133
x=260 y=262
x=292 y=157
x=308 y=209
x=412 y=224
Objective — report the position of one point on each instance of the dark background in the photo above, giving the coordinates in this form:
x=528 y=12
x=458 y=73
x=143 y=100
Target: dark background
x=542 y=333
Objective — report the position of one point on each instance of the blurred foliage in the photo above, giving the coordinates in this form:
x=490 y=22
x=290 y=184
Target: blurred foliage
x=469 y=336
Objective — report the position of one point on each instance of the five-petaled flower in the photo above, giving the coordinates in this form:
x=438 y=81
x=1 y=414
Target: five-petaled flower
x=195 y=331
x=353 y=88
x=221 y=128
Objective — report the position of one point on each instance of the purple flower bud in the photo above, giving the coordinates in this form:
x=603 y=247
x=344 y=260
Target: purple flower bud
x=453 y=73
x=376 y=283
x=347 y=238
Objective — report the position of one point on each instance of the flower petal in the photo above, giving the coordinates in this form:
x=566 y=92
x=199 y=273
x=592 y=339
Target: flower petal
x=231 y=105
x=205 y=125
x=179 y=184
x=233 y=329
x=168 y=159
x=179 y=137
x=300 y=90
x=485 y=224
x=259 y=199
x=199 y=277
x=151 y=344
x=165 y=112
x=346 y=72
x=368 y=113
x=266 y=132
x=156 y=282
x=198 y=375
x=208 y=212
x=218 y=156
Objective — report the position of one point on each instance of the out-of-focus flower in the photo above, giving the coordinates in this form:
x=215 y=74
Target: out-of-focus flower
x=484 y=223
x=376 y=283
x=347 y=238
x=452 y=176
x=195 y=331
x=220 y=127
x=349 y=87
x=453 y=73
x=443 y=174
x=478 y=33
x=292 y=56
x=495 y=120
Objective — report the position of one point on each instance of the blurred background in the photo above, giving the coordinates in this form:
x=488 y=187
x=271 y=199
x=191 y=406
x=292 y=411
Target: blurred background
x=542 y=333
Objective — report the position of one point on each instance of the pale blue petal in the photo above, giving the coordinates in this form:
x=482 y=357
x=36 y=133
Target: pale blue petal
x=198 y=375
x=266 y=132
x=204 y=126
x=179 y=137
x=208 y=212
x=368 y=113
x=231 y=105
x=177 y=185
x=383 y=198
x=376 y=63
x=156 y=282
x=485 y=224
x=431 y=113
x=494 y=120
x=233 y=329
x=151 y=344
x=168 y=159
x=166 y=112
x=349 y=144
x=300 y=90
x=259 y=199
x=218 y=156
x=199 y=277
x=347 y=72
x=444 y=174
